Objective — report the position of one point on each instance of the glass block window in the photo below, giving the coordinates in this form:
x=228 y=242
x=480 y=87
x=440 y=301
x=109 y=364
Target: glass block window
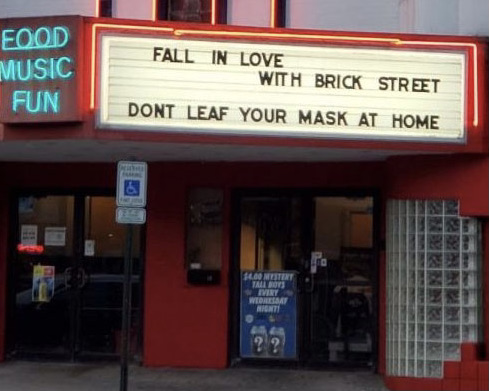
x=433 y=287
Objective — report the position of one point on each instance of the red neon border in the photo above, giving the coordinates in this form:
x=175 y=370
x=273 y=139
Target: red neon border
x=475 y=117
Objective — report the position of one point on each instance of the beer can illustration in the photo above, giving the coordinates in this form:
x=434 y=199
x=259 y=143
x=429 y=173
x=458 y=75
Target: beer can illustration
x=43 y=291
x=258 y=340
x=276 y=341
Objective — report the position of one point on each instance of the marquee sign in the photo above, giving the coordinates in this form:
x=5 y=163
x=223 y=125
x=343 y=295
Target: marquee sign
x=226 y=87
x=38 y=69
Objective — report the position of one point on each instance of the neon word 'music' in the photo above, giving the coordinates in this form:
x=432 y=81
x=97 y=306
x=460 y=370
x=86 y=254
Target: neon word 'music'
x=36 y=69
x=42 y=38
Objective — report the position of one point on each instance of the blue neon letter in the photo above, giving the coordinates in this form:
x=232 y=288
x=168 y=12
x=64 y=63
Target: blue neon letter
x=59 y=68
x=24 y=70
x=51 y=101
x=18 y=98
x=7 y=70
x=6 y=38
x=38 y=35
x=41 y=65
x=61 y=36
x=18 y=41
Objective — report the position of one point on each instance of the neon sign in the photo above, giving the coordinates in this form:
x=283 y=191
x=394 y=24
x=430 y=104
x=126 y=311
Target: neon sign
x=42 y=38
x=39 y=69
x=34 y=59
x=30 y=248
x=42 y=101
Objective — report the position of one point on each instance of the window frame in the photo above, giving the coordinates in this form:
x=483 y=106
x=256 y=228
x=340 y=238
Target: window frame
x=104 y=12
x=219 y=17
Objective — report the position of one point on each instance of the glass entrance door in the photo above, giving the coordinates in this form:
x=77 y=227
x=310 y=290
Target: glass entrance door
x=67 y=281
x=44 y=276
x=100 y=307
x=339 y=293
x=327 y=242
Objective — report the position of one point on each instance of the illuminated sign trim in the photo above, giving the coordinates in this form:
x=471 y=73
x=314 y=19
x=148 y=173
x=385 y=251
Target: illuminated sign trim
x=162 y=84
x=38 y=69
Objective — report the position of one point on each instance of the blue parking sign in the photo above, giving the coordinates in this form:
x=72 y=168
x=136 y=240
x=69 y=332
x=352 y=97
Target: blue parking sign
x=131 y=184
x=131 y=188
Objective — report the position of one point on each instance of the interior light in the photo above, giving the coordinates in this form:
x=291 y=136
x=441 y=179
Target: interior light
x=273 y=13
x=213 y=12
x=30 y=248
x=154 y=8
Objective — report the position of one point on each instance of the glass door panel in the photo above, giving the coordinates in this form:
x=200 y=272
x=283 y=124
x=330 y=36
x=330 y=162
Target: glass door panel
x=270 y=259
x=103 y=267
x=43 y=270
x=341 y=290
x=327 y=243
x=68 y=277
x=271 y=236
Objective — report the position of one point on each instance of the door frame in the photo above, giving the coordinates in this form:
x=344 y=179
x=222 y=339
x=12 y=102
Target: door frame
x=308 y=193
x=79 y=195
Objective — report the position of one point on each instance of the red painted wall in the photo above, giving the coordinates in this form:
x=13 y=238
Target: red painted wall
x=187 y=325
x=460 y=177
x=485 y=287
x=184 y=325
x=3 y=268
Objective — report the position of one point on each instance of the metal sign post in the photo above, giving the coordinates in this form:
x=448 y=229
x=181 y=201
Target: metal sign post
x=126 y=309
x=131 y=200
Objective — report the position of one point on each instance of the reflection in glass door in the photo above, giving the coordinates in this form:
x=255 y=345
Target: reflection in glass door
x=68 y=277
x=45 y=239
x=103 y=265
x=328 y=241
x=340 y=292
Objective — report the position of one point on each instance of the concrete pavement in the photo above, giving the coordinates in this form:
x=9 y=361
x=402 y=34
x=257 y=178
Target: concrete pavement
x=41 y=376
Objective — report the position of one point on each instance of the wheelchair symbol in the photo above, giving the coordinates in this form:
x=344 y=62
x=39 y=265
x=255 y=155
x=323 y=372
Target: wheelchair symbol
x=131 y=188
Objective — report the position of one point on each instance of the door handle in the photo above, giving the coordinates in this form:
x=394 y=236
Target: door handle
x=82 y=277
x=67 y=275
x=309 y=283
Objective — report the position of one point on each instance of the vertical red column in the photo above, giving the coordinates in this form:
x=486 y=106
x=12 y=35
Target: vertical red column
x=381 y=364
x=485 y=285
x=3 y=270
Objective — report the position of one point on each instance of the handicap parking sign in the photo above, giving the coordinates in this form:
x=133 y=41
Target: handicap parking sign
x=131 y=184
x=131 y=187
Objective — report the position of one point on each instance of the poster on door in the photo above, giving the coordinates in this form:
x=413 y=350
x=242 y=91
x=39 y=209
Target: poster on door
x=268 y=314
x=28 y=235
x=55 y=236
x=42 y=283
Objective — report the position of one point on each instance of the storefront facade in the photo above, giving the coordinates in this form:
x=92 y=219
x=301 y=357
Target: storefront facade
x=314 y=198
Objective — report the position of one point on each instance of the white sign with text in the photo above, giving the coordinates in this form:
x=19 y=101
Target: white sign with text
x=131 y=184
x=250 y=88
x=130 y=215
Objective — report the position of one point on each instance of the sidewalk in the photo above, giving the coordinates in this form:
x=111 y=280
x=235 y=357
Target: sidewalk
x=36 y=376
